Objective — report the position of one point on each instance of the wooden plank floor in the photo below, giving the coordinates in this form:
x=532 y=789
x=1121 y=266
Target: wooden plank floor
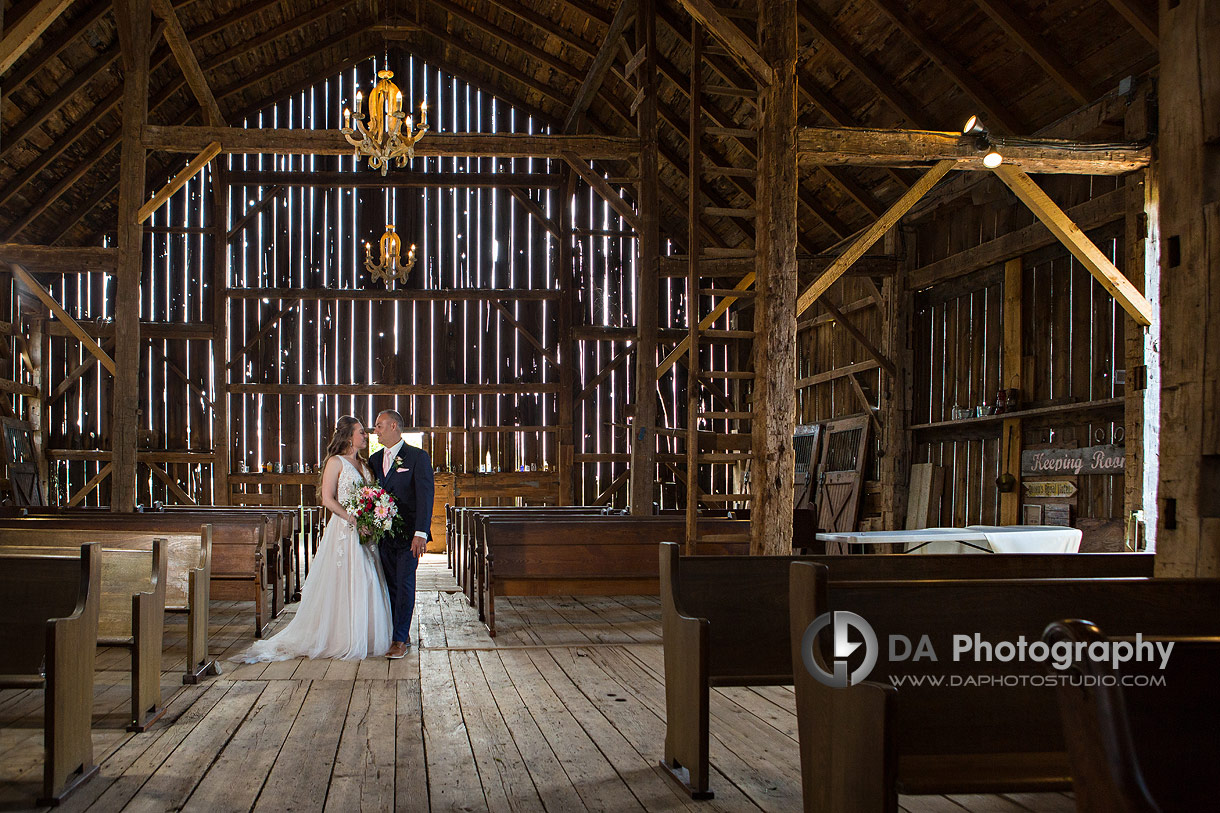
x=563 y=711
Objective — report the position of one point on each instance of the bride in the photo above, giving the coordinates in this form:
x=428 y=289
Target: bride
x=344 y=610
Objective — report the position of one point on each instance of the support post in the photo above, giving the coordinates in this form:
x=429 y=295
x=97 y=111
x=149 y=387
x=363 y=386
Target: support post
x=1188 y=533
x=566 y=449
x=221 y=440
x=643 y=441
x=1010 y=370
x=897 y=304
x=772 y=480
x=134 y=23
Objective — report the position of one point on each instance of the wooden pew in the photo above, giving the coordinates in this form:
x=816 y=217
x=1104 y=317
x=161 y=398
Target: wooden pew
x=282 y=524
x=471 y=540
x=863 y=745
x=238 y=547
x=132 y=615
x=1141 y=748
x=590 y=555
x=724 y=622
x=187 y=582
x=49 y=622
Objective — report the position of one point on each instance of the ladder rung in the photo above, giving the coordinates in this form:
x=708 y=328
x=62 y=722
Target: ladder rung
x=731 y=132
x=726 y=497
x=723 y=538
x=726 y=211
x=727 y=334
x=731 y=172
x=727 y=416
x=724 y=457
x=728 y=292
x=738 y=374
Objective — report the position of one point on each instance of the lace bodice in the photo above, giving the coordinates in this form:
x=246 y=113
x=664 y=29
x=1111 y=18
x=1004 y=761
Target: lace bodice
x=349 y=478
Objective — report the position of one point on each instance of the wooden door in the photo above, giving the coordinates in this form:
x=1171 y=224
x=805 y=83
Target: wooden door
x=841 y=473
x=807 y=445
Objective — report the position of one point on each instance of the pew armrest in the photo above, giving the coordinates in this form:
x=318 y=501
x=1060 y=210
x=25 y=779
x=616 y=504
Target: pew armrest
x=198 y=662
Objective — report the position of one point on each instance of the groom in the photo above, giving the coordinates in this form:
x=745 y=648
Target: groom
x=405 y=472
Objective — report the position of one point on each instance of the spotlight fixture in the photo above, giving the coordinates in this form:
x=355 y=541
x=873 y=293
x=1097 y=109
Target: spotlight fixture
x=992 y=159
x=974 y=127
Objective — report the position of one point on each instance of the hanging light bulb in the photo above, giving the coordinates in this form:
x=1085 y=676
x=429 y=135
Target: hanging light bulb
x=383 y=139
x=992 y=159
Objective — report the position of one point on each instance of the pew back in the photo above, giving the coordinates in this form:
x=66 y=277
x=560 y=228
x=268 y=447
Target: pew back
x=40 y=588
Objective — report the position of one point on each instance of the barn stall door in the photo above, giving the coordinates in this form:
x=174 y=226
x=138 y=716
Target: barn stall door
x=841 y=473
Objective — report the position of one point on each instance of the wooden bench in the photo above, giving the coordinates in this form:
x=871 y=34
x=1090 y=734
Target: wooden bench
x=238 y=547
x=863 y=745
x=602 y=555
x=187 y=579
x=282 y=526
x=132 y=615
x=1141 y=748
x=48 y=632
x=470 y=540
x=724 y=622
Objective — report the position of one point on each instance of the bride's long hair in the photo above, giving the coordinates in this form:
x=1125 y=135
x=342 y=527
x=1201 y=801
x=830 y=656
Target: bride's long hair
x=345 y=427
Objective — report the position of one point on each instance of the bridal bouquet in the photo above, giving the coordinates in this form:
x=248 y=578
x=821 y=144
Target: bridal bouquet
x=374 y=510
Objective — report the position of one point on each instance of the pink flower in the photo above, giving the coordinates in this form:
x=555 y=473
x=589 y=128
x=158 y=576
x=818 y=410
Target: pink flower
x=382 y=511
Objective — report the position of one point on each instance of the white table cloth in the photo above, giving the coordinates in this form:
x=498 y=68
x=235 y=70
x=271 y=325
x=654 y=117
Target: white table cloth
x=1030 y=538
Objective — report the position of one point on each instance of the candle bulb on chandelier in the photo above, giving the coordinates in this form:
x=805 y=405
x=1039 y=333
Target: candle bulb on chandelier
x=347 y=118
x=423 y=114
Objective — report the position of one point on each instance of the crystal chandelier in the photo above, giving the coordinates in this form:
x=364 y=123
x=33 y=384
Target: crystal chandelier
x=384 y=139
x=391 y=266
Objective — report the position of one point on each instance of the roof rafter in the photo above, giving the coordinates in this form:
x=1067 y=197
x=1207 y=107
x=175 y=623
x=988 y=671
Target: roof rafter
x=1038 y=49
x=20 y=35
x=180 y=44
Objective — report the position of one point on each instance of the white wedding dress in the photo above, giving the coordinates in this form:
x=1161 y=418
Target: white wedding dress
x=344 y=610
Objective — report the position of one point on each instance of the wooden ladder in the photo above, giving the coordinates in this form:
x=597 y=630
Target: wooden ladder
x=728 y=391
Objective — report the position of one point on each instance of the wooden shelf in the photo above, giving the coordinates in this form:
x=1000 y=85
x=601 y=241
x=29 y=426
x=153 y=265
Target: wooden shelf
x=1057 y=409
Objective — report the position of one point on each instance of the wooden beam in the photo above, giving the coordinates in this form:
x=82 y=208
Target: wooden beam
x=1011 y=353
x=599 y=67
x=364 y=179
x=180 y=44
x=35 y=64
x=23 y=33
x=266 y=201
x=219 y=201
x=870 y=265
x=706 y=322
x=740 y=47
x=1091 y=214
x=59 y=259
x=79 y=370
x=855 y=59
x=398 y=294
x=642 y=440
x=996 y=112
x=1081 y=247
x=832 y=375
x=855 y=146
x=865 y=404
x=775 y=348
x=71 y=324
x=176 y=370
x=871 y=235
x=267 y=327
x=1038 y=49
x=193 y=168
x=535 y=211
x=612 y=489
x=859 y=336
x=152 y=330
x=605 y=372
x=1141 y=18
x=524 y=388
x=170 y=483
x=549 y=355
x=94 y=482
x=287 y=141
x=18 y=388
x=603 y=188
x=134 y=23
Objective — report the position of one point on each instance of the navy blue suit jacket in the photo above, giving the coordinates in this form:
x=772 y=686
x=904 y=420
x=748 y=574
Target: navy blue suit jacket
x=411 y=485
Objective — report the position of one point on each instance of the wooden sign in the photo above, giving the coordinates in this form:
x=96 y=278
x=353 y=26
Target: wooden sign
x=1049 y=488
x=1091 y=460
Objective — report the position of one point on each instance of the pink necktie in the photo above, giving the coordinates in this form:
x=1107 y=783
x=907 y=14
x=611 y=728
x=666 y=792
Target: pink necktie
x=389 y=461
